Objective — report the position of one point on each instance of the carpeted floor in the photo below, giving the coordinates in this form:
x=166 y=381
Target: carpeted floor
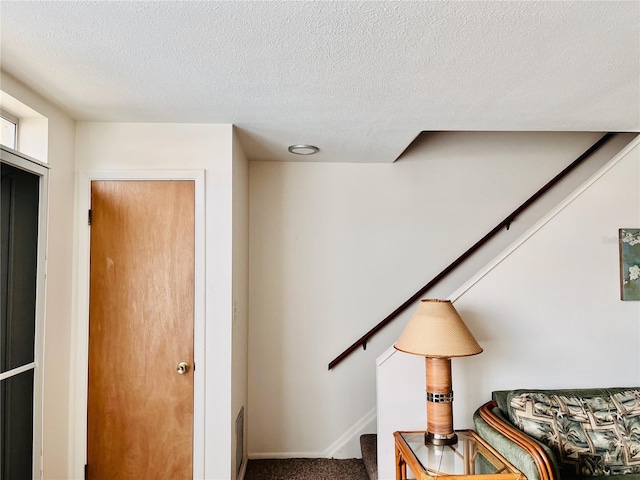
x=306 y=469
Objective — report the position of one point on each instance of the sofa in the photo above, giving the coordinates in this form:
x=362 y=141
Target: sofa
x=565 y=434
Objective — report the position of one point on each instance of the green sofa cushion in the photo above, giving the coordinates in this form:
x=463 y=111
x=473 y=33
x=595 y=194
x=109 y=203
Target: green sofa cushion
x=501 y=397
x=516 y=455
x=593 y=432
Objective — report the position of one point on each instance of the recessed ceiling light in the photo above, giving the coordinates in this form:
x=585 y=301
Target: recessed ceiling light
x=302 y=149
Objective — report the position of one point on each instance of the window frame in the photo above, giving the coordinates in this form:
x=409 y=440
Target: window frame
x=23 y=162
x=10 y=117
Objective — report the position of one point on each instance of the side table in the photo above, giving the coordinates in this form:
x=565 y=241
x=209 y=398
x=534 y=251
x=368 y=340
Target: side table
x=470 y=456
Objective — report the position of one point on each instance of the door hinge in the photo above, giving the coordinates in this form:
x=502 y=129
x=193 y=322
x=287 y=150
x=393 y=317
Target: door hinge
x=89 y=216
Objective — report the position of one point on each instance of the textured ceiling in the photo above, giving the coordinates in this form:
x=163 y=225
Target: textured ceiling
x=358 y=79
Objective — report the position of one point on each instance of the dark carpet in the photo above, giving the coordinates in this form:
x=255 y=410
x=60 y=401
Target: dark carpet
x=306 y=469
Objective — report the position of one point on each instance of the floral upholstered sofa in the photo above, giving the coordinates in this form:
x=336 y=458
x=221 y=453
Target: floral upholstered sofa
x=565 y=434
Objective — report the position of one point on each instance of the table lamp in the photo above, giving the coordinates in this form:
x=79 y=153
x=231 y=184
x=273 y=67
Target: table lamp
x=437 y=333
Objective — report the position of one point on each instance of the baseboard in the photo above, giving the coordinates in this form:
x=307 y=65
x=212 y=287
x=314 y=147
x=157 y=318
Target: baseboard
x=281 y=455
x=348 y=445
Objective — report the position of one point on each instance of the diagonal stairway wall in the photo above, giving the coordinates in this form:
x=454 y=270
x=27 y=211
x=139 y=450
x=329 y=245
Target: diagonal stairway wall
x=547 y=312
x=335 y=247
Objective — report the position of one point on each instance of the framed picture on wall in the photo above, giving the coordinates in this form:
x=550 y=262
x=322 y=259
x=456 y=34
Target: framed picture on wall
x=629 y=263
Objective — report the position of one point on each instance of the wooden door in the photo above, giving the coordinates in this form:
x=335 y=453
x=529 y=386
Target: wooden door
x=140 y=410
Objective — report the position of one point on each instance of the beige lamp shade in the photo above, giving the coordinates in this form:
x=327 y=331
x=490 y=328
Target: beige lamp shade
x=437 y=331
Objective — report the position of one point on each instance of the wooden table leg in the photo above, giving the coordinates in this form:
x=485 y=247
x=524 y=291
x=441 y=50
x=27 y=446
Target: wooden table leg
x=401 y=466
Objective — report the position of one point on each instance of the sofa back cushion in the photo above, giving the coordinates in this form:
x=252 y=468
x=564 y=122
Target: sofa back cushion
x=592 y=431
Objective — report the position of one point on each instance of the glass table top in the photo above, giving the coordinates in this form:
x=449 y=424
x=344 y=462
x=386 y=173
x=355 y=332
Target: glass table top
x=467 y=457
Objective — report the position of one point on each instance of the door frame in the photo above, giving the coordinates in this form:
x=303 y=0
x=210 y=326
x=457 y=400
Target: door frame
x=80 y=327
x=31 y=165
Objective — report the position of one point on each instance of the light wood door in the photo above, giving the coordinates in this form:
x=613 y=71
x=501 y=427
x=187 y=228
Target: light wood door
x=140 y=410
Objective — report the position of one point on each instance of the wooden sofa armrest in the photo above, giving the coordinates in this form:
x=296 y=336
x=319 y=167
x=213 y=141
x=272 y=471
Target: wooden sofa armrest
x=535 y=451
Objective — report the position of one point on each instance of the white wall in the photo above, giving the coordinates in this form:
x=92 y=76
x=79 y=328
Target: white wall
x=122 y=146
x=239 y=398
x=60 y=140
x=336 y=247
x=33 y=137
x=547 y=313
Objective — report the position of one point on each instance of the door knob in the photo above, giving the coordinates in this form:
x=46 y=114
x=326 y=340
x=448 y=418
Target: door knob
x=182 y=368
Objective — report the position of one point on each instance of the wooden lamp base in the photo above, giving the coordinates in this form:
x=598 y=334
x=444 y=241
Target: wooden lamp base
x=439 y=402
